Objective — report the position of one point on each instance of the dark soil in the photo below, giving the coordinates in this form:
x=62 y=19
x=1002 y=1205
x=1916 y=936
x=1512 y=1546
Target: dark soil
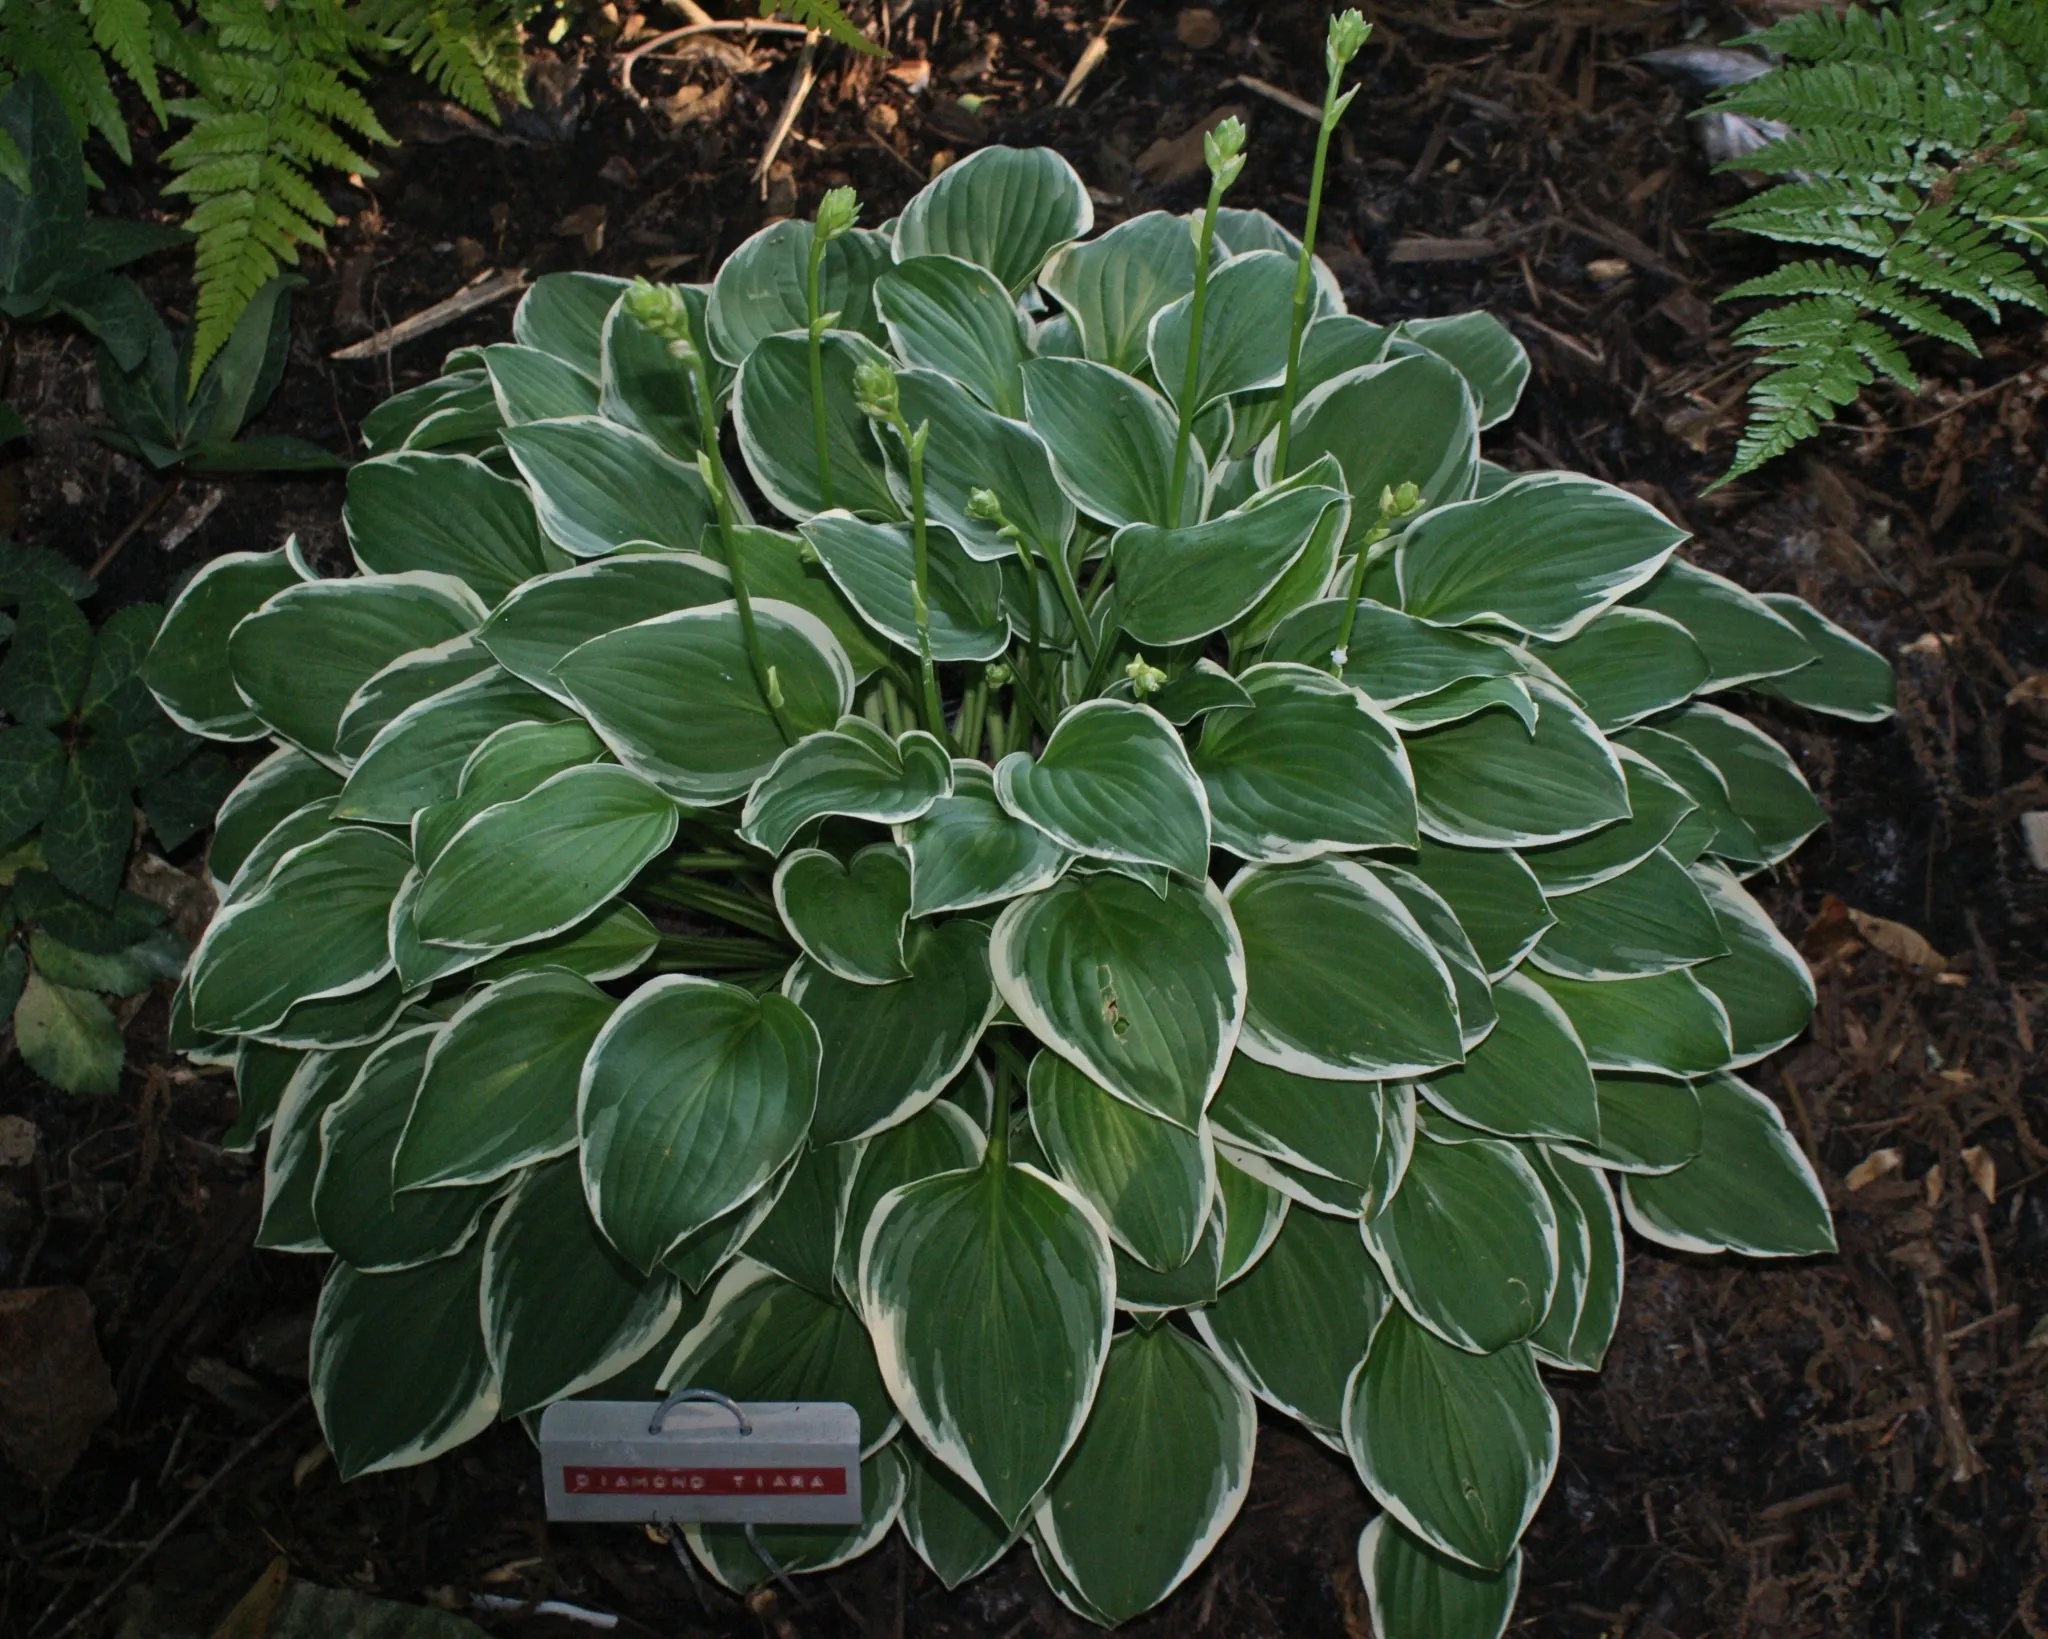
x=1853 y=1446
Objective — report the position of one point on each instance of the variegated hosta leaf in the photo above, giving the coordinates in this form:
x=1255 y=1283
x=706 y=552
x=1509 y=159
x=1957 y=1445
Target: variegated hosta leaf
x=1298 y=1323
x=1151 y=1181
x=1419 y=1593
x=888 y=1050
x=760 y=288
x=400 y=1370
x=316 y=928
x=1528 y=1079
x=187 y=666
x=1159 y=1472
x=625 y=683
x=1458 y=1447
x=1668 y=1022
x=1658 y=806
x=694 y=1094
x=1114 y=782
x=292 y=1161
x=728 y=1551
x=1253 y=1215
x=967 y=850
x=1762 y=983
x=1849 y=679
x=1331 y=1128
x=848 y=918
x=561 y=1309
x=1177 y=585
x=1743 y=637
x=1343 y=983
x=498 y=1088
x=598 y=486
x=765 y=1338
x=940 y=1138
x=798 y=1237
x=1469 y=1241
x=1649 y=919
x=1648 y=1124
x=1496 y=898
x=551 y=615
x=1488 y=782
x=1544 y=555
x=1143 y=993
x=536 y=866
x=1750 y=1189
x=855 y=769
x=954 y=318
x=367 y=1223
x=299 y=657
x=1411 y=421
x=1311 y=769
x=988 y=1294
x=275 y=788
x=1626 y=664
x=952 y=1529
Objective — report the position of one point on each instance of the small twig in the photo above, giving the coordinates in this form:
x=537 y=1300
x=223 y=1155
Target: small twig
x=150 y=509
x=1963 y=1462
x=742 y=25
x=149 y=1548
x=792 y=105
x=487 y=287
x=1091 y=57
x=1286 y=99
x=1983 y=1321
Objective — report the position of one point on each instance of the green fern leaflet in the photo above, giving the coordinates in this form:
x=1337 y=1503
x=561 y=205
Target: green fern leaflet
x=1917 y=142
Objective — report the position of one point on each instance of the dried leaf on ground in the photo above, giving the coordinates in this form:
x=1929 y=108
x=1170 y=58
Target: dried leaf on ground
x=1872 y=1167
x=1901 y=943
x=54 y=1386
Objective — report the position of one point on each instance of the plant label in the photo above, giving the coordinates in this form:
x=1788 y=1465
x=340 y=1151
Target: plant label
x=798 y=1463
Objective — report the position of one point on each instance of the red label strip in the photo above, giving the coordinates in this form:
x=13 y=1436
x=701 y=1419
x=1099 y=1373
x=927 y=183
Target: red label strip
x=704 y=1482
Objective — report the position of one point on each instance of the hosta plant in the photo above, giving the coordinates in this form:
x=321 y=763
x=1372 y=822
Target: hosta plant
x=887 y=830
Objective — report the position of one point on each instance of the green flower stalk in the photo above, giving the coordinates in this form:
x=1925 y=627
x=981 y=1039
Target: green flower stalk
x=1348 y=32
x=1223 y=148
x=1396 y=503
x=837 y=212
x=874 y=390
x=661 y=310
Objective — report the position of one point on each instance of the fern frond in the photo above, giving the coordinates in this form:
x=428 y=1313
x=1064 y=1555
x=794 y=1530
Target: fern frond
x=1870 y=294
x=125 y=31
x=1918 y=143
x=826 y=17
x=1821 y=355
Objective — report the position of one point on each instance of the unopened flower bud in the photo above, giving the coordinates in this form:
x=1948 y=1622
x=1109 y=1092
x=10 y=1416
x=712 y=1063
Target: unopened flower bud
x=660 y=310
x=1348 y=33
x=874 y=389
x=983 y=507
x=1223 y=148
x=998 y=676
x=1145 y=677
x=837 y=212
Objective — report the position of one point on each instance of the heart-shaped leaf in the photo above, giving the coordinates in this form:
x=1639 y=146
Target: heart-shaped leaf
x=968 y=850
x=954 y=318
x=760 y=290
x=187 y=668
x=1005 y=209
x=848 y=917
x=1159 y=1472
x=1412 y=1589
x=1111 y=439
x=1113 y=781
x=875 y=566
x=890 y=1049
x=552 y=614
x=1528 y=1078
x=855 y=770
x=1143 y=993
x=693 y=1096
